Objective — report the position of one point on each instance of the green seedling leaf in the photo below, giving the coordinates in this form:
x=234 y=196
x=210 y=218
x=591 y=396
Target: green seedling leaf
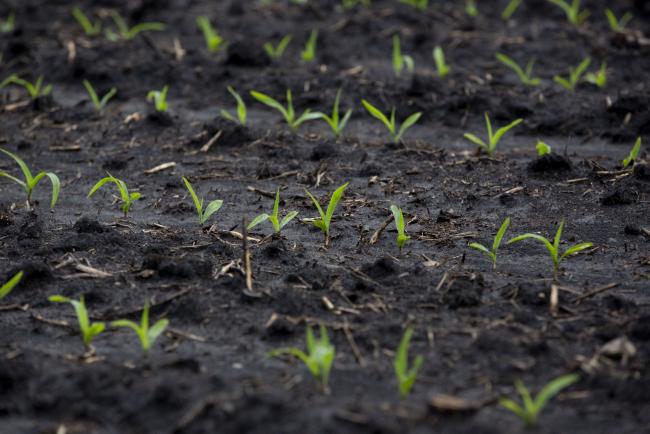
x=574 y=14
x=406 y=376
x=598 y=78
x=634 y=153
x=274 y=217
x=525 y=76
x=146 y=334
x=417 y=4
x=470 y=8
x=90 y=28
x=542 y=148
x=204 y=215
x=159 y=97
x=128 y=33
x=493 y=139
x=391 y=124
x=441 y=64
x=35 y=90
x=9 y=24
x=616 y=24
x=496 y=243
x=309 y=53
x=276 y=52
x=575 y=74
x=241 y=109
x=335 y=122
x=402 y=238
x=288 y=113
x=510 y=10
x=401 y=61
x=88 y=330
x=323 y=223
x=30 y=181
x=127 y=198
x=213 y=41
x=6 y=288
x=98 y=103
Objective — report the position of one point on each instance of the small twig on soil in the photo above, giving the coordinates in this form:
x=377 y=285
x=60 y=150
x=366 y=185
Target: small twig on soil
x=248 y=271
x=554 y=299
x=264 y=193
x=595 y=292
x=185 y=335
x=375 y=236
x=212 y=141
x=160 y=168
x=353 y=344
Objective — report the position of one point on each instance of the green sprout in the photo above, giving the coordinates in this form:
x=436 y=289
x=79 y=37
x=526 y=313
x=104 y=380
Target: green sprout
x=98 y=103
x=274 y=217
x=30 y=181
x=616 y=24
x=127 y=198
x=573 y=13
x=90 y=28
x=335 y=122
x=406 y=376
x=212 y=207
x=241 y=109
x=319 y=357
x=391 y=123
x=288 y=112
x=542 y=148
x=493 y=139
x=510 y=10
x=598 y=78
x=525 y=75
x=309 y=53
x=634 y=153
x=276 y=52
x=9 y=24
x=417 y=4
x=441 y=64
x=575 y=74
x=401 y=61
x=88 y=330
x=10 y=285
x=127 y=33
x=531 y=408
x=323 y=223
x=146 y=334
x=35 y=90
x=402 y=238
x=159 y=97
x=496 y=243
x=470 y=8
x=349 y=4
x=213 y=40
x=554 y=248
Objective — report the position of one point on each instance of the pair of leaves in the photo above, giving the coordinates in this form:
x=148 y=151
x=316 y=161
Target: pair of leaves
x=159 y=97
x=406 y=376
x=575 y=74
x=496 y=243
x=127 y=198
x=574 y=14
x=146 y=334
x=323 y=223
x=401 y=61
x=402 y=238
x=391 y=123
x=212 y=207
x=35 y=90
x=128 y=33
x=6 y=288
x=288 y=113
x=90 y=28
x=618 y=24
x=30 y=181
x=525 y=75
x=274 y=217
x=493 y=139
x=88 y=330
x=335 y=122
x=275 y=52
x=634 y=153
x=98 y=103
x=241 y=109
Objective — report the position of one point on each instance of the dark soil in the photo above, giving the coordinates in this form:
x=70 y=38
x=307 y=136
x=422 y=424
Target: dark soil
x=479 y=329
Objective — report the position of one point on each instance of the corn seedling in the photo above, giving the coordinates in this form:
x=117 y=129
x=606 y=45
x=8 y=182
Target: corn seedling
x=309 y=53
x=406 y=376
x=349 y=4
x=288 y=113
x=88 y=330
x=470 y=8
x=598 y=78
x=98 y=103
x=401 y=61
x=274 y=217
x=127 y=198
x=531 y=408
x=542 y=148
x=319 y=357
x=241 y=109
x=417 y=4
x=146 y=334
x=634 y=153
x=212 y=207
x=276 y=52
x=391 y=123
x=554 y=247
x=616 y=24
x=213 y=40
x=30 y=181
x=402 y=238
x=525 y=75
x=127 y=33
x=441 y=64
x=159 y=98
x=35 y=90
x=90 y=28
x=493 y=139
x=10 y=285
x=9 y=24
x=509 y=11
x=575 y=74
x=323 y=223
x=574 y=14
x=336 y=123
x=496 y=243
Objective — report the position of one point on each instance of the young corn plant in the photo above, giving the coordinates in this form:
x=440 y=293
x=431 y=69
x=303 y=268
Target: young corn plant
x=531 y=408
x=470 y=8
x=417 y=4
x=525 y=75
x=349 y=4
x=213 y=39
x=542 y=148
x=309 y=53
x=402 y=238
x=89 y=27
x=212 y=207
x=618 y=24
x=335 y=121
x=391 y=123
x=406 y=376
x=323 y=223
x=598 y=78
x=575 y=74
x=6 y=288
x=127 y=33
x=30 y=182
x=89 y=330
x=146 y=334
x=493 y=139
x=634 y=154
x=510 y=10
x=275 y=52
x=98 y=103
x=127 y=198
x=574 y=14
x=9 y=24
x=441 y=64
x=35 y=90
x=318 y=358
x=288 y=113
x=241 y=109
x=401 y=61
x=554 y=247
x=159 y=98
x=274 y=217
x=496 y=243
